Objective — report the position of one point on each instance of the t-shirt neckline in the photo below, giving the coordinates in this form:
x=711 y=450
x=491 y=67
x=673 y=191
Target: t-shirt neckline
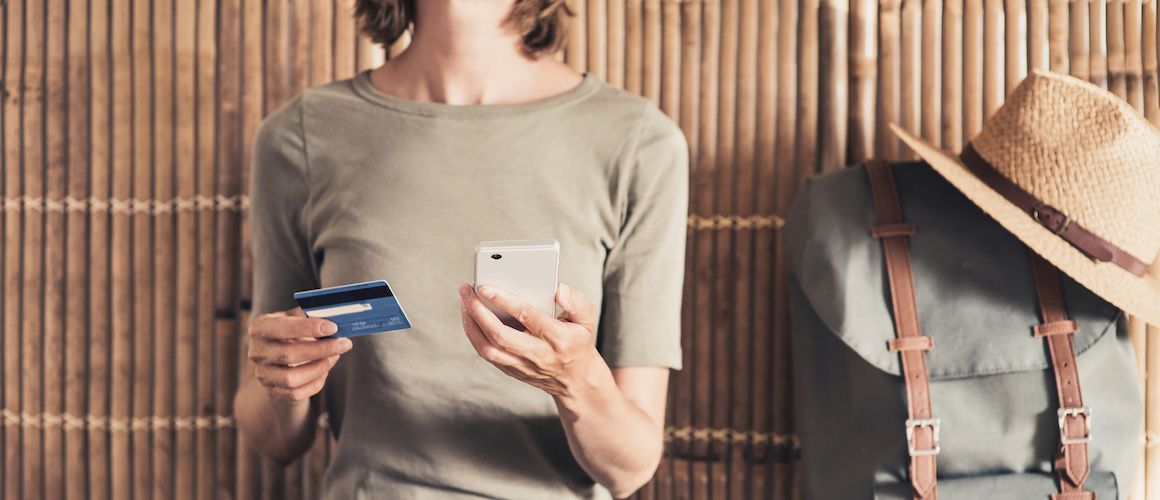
x=365 y=87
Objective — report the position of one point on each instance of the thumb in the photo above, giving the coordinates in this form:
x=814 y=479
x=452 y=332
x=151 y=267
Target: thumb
x=576 y=307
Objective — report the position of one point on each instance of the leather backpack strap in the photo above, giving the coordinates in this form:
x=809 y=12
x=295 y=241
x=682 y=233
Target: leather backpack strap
x=922 y=428
x=1071 y=464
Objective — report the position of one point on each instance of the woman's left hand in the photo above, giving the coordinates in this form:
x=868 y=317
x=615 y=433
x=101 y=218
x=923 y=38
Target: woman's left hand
x=557 y=355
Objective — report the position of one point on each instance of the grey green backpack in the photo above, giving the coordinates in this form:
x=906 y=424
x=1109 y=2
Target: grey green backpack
x=910 y=277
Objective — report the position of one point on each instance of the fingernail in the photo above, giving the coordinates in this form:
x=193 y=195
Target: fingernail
x=346 y=344
x=487 y=292
x=329 y=327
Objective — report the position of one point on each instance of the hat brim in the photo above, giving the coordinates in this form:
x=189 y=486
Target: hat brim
x=1138 y=296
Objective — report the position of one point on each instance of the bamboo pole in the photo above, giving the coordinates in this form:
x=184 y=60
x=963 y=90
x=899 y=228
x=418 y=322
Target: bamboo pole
x=766 y=149
x=1097 y=42
x=164 y=295
x=205 y=163
x=651 y=78
x=952 y=76
x=615 y=57
x=142 y=252
x=633 y=45
x=345 y=39
x=1117 y=68
x=1037 y=41
x=576 y=49
x=1078 y=42
x=4 y=91
x=834 y=79
x=299 y=40
x=99 y=321
x=597 y=16
x=911 y=72
x=932 y=71
x=33 y=263
x=1150 y=63
x=863 y=62
x=11 y=322
x=1015 y=44
x=670 y=58
x=973 y=109
x=1133 y=53
x=55 y=166
x=76 y=463
x=1058 y=36
x=1152 y=412
x=994 y=80
x=889 y=68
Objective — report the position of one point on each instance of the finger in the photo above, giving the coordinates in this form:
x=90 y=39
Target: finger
x=523 y=311
x=275 y=352
x=282 y=377
x=577 y=308
x=282 y=326
x=300 y=394
x=478 y=339
x=497 y=333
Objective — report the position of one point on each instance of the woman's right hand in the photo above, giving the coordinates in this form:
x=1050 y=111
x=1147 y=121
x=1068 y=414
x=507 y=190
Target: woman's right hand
x=289 y=359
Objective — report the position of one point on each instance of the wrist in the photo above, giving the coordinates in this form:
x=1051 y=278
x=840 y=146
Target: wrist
x=590 y=386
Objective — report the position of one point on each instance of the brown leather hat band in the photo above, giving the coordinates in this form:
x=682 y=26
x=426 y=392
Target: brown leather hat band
x=1052 y=218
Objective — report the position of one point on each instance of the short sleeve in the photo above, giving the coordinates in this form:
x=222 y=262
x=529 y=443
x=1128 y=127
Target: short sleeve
x=280 y=246
x=640 y=321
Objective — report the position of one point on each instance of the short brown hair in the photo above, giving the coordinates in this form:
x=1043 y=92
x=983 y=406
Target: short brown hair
x=540 y=23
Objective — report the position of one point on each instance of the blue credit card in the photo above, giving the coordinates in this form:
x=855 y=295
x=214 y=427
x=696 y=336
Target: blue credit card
x=358 y=309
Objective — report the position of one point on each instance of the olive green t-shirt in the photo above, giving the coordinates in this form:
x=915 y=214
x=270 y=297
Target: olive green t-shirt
x=353 y=185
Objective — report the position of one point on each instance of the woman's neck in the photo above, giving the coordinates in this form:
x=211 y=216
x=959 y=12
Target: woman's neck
x=462 y=52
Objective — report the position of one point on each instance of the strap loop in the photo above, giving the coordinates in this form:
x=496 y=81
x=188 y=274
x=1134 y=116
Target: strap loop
x=923 y=343
x=1061 y=327
x=892 y=230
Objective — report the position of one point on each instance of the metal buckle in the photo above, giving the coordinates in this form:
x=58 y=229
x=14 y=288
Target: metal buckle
x=1086 y=413
x=915 y=423
x=1042 y=208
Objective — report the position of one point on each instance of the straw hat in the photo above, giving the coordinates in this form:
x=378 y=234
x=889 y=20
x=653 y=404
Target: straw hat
x=1073 y=172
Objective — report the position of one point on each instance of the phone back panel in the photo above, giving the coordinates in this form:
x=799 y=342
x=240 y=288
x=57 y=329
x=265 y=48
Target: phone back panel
x=527 y=269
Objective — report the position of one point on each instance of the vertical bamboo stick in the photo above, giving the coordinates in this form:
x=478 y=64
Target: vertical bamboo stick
x=1098 y=43
x=99 y=321
x=1057 y=36
x=120 y=249
x=142 y=252
x=973 y=110
x=273 y=29
x=863 y=79
x=1016 y=43
x=5 y=93
x=164 y=295
x=185 y=277
x=932 y=71
x=299 y=44
x=1037 y=44
x=253 y=74
x=1117 y=69
x=576 y=50
x=652 y=51
x=232 y=163
x=1152 y=412
x=670 y=57
x=597 y=15
x=834 y=78
x=345 y=39
x=1133 y=53
x=633 y=45
x=76 y=464
x=322 y=46
x=205 y=162
x=33 y=262
x=763 y=267
x=13 y=374
x=889 y=71
x=55 y=118
x=1149 y=65
x=952 y=76
x=1078 y=42
x=615 y=57
x=994 y=86
x=808 y=84
x=910 y=70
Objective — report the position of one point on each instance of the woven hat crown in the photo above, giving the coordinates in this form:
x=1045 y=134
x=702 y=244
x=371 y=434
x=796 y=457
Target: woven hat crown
x=1084 y=151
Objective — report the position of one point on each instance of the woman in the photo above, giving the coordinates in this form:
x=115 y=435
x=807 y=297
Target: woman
x=473 y=133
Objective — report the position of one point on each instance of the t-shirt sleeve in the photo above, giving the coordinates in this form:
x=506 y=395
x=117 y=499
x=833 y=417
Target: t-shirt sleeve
x=640 y=321
x=280 y=244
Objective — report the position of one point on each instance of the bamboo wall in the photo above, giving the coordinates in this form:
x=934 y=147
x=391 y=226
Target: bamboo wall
x=126 y=125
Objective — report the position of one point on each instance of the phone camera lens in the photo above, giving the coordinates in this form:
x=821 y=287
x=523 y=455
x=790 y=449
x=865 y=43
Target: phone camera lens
x=496 y=256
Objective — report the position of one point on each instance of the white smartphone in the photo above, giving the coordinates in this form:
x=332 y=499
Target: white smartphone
x=526 y=268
